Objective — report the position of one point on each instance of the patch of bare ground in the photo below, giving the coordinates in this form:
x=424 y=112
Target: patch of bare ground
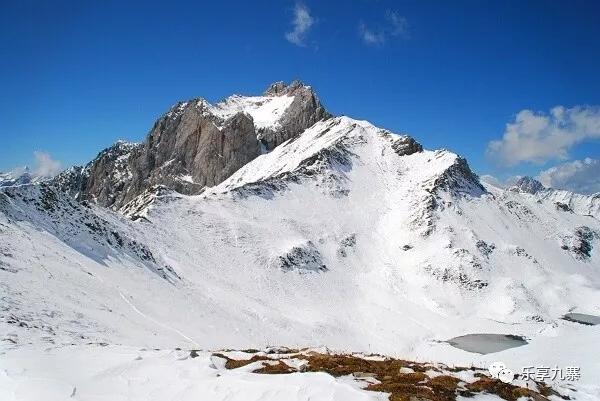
x=403 y=380
x=279 y=367
x=504 y=390
x=238 y=363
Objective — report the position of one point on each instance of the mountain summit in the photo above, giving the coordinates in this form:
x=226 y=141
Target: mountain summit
x=528 y=184
x=196 y=144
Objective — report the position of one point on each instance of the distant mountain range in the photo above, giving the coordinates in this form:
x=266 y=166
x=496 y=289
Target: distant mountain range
x=19 y=177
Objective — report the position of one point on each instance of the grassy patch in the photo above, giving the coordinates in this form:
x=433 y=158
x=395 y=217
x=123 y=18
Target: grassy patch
x=275 y=368
x=238 y=363
x=403 y=380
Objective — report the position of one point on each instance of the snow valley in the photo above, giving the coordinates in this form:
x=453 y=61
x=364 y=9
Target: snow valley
x=265 y=221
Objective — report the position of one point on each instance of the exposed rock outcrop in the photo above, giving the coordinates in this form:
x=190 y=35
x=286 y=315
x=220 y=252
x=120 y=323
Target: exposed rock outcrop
x=528 y=184
x=196 y=144
x=581 y=243
x=305 y=110
x=304 y=258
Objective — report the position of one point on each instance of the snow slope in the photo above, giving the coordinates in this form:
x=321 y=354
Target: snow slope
x=347 y=236
x=578 y=203
x=568 y=201
x=117 y=373
x=265 y=110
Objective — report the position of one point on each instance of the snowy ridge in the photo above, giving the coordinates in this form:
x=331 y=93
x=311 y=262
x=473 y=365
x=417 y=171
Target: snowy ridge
x=266 y=111
x=288 y=157
x=578 y=203
x=81 y=226
x=587 y=205
x=138 y=207
x=340 y=135
x=20 y=177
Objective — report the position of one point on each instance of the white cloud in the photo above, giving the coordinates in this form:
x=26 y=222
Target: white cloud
x=539 y=137
x=45 y=166
x=509 y=182
x=395 y=25
x=370 y=37
x=301 y=23
x=490 y=179
x=398 y=24
x=581 y=176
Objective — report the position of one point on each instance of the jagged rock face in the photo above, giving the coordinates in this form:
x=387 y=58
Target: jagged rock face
x=195 y=145
x=459 y=179
x=188 y=151
x=305 y=110
x=107 y=179
x=580 y=242
x=529 y=185
x=104 y=180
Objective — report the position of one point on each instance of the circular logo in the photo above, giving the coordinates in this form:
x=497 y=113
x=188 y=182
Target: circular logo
x=495 y=369
x=506 y=375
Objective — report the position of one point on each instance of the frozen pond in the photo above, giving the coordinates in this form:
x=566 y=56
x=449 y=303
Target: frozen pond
x=486 y=343
x=582 y=318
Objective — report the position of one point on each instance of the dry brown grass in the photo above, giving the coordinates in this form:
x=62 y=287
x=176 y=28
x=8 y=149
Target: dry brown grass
x=402 y=386
x=547 y=391
x=503 y=390
x=238 y=363
x=274 y=369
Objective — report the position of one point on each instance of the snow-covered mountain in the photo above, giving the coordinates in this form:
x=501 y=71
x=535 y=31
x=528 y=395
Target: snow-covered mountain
x=196 y=144
x=565 y=200
x=342 y=234
x=19 y=177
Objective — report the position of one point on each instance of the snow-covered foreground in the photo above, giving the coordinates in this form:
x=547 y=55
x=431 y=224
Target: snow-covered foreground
x=122 y=373
x=106 y=372
x=340 y=237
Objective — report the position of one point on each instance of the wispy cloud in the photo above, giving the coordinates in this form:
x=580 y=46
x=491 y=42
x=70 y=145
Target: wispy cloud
x=581 y=176
x=45 y=165
x=540 y=137
x=301 y=24
x=395 y=25
x=371 y=37
x=492 y=180
x=398 y=24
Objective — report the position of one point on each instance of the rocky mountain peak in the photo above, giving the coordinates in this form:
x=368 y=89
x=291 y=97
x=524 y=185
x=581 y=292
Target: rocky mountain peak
x=528 y=184
x=197 y=144
x=280 y=88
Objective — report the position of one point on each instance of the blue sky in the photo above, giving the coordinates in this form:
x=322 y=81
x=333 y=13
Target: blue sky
x=77 y=75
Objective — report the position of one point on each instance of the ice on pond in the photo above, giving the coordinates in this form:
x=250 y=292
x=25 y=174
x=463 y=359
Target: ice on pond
x=582 y=318
x=486 y=343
